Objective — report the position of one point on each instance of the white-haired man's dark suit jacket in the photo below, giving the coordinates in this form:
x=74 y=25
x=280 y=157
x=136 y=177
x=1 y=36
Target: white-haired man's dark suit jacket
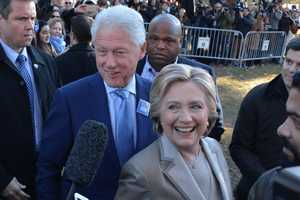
x=73 y=104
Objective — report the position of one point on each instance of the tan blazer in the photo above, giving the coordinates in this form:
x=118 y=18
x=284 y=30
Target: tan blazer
x=159 y=172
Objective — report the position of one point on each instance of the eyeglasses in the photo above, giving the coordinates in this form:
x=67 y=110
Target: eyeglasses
x=68 y=3
x=55 y=16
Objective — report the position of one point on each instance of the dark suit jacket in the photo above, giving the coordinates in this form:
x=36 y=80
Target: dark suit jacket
x=17 y=144
x=73 y=104
x=79 y=61
x=218 y=129
x=182 y=60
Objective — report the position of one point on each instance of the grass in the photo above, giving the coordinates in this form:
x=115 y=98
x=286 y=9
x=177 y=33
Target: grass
x=233 y=84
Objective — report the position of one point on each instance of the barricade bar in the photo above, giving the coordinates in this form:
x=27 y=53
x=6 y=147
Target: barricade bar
x=225 y=44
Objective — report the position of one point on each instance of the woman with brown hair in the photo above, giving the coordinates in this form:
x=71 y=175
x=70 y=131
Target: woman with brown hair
x=43 y=38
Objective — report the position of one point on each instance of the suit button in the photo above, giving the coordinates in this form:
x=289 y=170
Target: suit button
x=22 y=83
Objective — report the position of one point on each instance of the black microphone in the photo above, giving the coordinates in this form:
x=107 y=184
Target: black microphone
x=86 y=154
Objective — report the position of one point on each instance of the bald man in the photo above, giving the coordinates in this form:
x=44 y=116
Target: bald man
x=163 y=48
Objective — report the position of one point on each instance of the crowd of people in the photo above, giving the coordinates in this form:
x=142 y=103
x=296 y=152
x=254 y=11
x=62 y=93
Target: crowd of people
x=237 y=15
x=92 y=60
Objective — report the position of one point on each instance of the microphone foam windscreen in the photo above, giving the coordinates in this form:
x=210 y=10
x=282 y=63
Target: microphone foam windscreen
x=87 y=152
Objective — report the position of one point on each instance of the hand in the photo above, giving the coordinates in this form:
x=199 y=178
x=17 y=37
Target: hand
x=14 y=191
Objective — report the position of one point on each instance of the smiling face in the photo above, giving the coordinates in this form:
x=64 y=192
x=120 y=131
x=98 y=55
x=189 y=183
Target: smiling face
x=56 y=29
x=184 y=115
x=45 y=34
x=117 y=56
x=18 y=29
x=290 y=129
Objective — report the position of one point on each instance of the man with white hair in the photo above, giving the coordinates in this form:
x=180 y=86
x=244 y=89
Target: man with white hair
x=118 y=35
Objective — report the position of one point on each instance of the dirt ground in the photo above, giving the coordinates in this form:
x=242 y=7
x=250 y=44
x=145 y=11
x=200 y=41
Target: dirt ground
x=233 y=84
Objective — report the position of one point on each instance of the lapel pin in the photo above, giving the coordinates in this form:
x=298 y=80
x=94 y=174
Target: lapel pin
x=143 y=107
x=36 y=66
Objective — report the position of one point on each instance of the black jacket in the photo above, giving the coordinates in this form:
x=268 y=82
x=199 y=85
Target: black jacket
x=17 y=143
x=183 y=60
x=79 y=61
x=255 y=145
x=218 y=129
x=244 y=24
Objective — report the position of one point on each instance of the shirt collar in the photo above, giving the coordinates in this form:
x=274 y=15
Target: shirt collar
x=176 y=60
x=150 y=68
x=11 y=53
x=130 y=87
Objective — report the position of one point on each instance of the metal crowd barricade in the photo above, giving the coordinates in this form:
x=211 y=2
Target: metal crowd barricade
x=211 y=43
x=263 y=45
x=225 y=44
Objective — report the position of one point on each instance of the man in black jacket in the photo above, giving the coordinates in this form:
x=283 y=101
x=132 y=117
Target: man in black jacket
x=244 y=21
x=163 y=48
x=79 y=61
x=266 y=187
x=28 y=80
x=255 y=146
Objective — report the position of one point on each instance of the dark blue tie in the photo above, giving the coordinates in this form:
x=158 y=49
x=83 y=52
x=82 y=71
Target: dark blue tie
x=124 y=126
x=21 y=61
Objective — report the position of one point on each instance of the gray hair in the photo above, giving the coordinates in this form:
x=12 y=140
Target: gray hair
x=174 y=73
x=122 y=17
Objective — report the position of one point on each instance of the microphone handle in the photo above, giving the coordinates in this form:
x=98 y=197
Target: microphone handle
x=71 y=192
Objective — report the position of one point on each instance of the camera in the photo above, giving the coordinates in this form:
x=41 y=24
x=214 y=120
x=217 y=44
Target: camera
x=286 y=185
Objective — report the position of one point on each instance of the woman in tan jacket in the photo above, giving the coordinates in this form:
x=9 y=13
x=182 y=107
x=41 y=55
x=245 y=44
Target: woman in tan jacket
x=183 y=163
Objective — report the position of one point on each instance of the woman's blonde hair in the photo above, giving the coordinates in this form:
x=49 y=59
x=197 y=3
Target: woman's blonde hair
x=175 y=73
x=55 y=20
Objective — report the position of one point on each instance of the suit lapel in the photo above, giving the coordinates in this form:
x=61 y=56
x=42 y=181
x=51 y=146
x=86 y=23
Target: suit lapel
x=177 y=172
x=180 y=60
x=4 y=58
x=99 y=100
x=141 y=120
x=35 y=58
x=37 y=65
x=36 y=62
x=214 y=163
x=140 y=66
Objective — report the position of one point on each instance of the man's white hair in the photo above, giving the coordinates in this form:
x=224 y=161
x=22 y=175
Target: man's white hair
x=121 y=17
